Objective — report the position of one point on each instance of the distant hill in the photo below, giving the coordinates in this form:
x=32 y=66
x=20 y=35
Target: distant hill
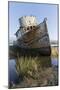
x=54 y=43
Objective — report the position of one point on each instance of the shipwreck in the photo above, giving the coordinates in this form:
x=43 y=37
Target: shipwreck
x=32 y=37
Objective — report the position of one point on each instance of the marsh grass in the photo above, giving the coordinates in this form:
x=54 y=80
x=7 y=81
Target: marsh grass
x=26 y=65
x=36 y=71
x=54 y=51
x=31 y=66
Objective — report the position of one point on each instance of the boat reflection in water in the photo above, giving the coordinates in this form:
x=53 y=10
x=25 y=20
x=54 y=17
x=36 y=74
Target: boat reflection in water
x=33 y=71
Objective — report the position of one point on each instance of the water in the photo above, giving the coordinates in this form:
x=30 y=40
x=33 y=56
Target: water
x=13 y=75
x=54 y=61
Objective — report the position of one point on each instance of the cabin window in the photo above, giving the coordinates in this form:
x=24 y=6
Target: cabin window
x=33 y=27
x=27 y=28
x=30 y=27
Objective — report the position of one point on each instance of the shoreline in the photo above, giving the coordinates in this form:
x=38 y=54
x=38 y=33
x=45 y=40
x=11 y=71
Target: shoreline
x=54 y=51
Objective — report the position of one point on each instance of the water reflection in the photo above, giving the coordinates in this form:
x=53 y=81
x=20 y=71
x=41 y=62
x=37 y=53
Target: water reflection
x=47 y=75
x=54 y=61
x=13 y=76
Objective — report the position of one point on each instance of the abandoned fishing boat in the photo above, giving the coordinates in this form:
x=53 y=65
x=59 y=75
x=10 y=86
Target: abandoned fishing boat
x=32 y=37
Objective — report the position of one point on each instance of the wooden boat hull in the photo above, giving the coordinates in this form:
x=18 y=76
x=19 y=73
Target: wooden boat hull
x=35 y=41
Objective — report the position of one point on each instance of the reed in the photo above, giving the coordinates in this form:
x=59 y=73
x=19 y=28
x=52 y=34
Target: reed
x=36 y=71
